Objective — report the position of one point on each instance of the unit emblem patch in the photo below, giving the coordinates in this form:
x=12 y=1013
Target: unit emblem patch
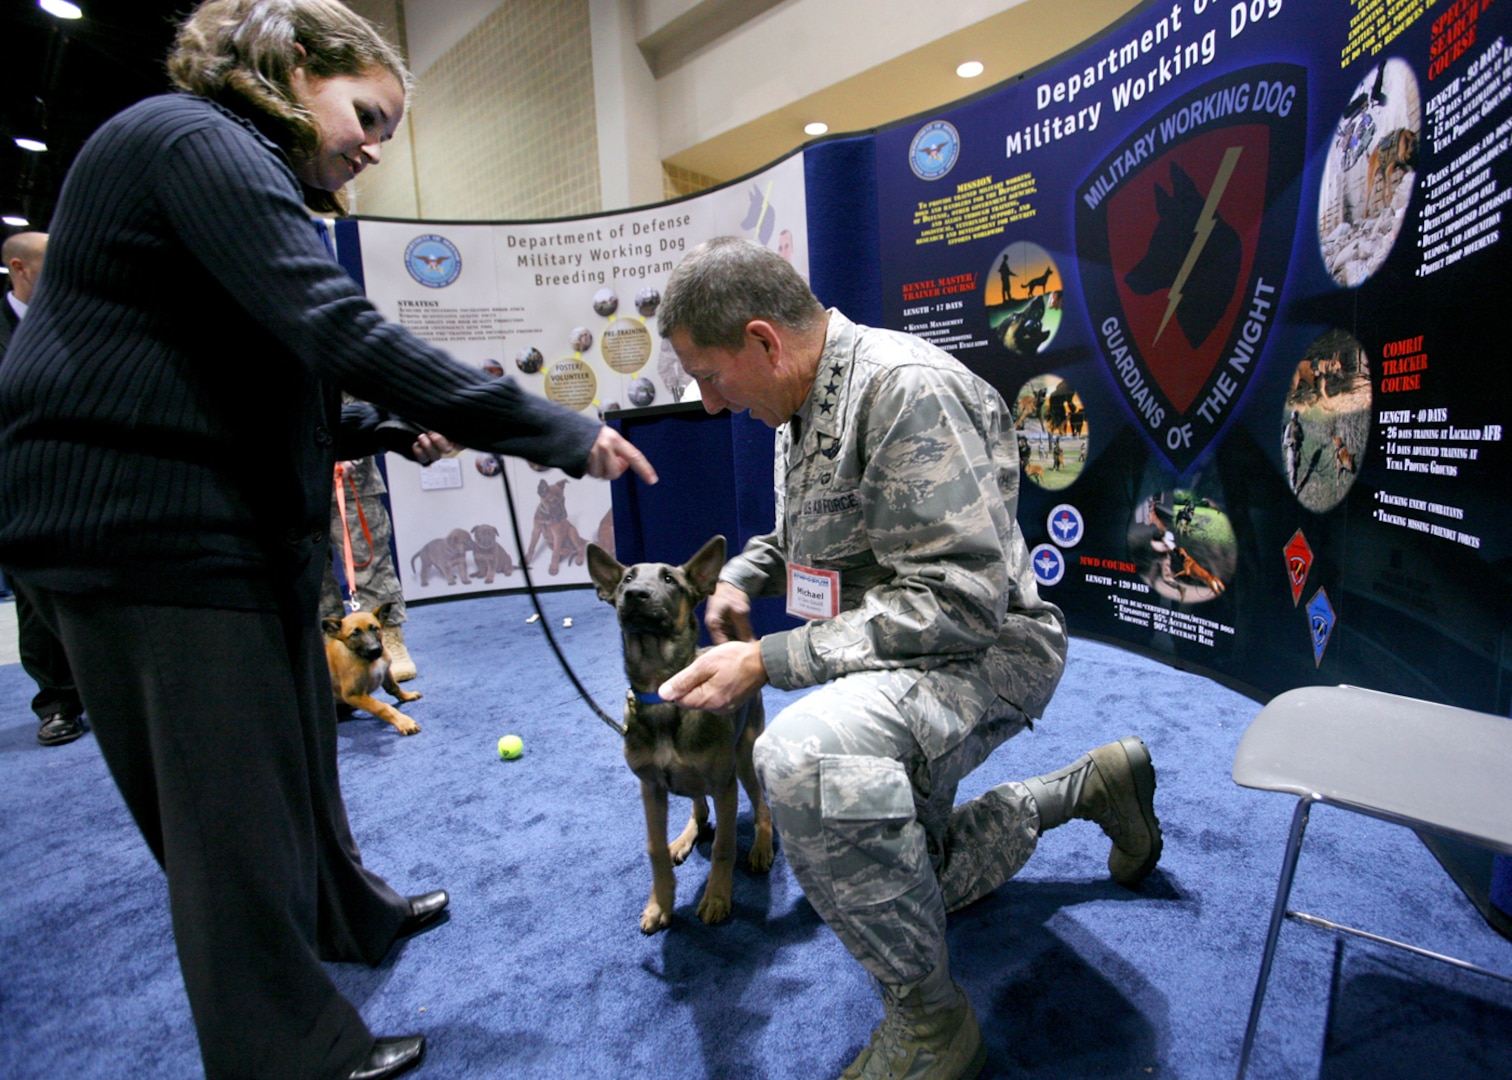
x=1184 y=235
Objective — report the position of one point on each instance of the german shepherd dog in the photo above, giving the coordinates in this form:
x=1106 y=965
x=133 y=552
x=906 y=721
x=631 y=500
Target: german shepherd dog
x=359 y=665
x=1392 y=158
x=698 y=755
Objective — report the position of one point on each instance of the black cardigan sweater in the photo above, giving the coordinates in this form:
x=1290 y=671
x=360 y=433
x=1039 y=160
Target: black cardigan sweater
x=169 y=407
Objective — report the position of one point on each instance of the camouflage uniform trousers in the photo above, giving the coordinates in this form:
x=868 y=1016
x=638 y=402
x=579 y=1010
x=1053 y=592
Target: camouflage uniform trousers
x=377 y=582
x=868 y=818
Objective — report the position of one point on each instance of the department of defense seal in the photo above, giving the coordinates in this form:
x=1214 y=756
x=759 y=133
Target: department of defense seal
x=433 y=261
x=934 y=150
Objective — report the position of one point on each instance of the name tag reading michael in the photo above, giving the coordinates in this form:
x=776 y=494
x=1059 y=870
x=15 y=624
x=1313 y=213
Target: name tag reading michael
x=812 y=594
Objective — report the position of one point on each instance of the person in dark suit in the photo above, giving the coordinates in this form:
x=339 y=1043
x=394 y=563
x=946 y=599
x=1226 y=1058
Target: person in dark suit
x=170 y=417
x=56 y=703
x=23 y=254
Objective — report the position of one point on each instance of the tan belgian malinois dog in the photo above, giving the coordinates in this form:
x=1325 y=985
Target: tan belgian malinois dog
x=360 y=664
x=689 y=752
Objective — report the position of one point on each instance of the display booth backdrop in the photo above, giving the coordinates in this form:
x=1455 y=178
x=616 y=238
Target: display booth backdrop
x=567 y=308
x=1238 y=270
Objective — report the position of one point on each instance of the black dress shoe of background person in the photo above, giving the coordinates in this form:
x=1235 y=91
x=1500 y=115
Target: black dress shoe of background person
x=390 y=1057
x=425 y=909
x=60 y=728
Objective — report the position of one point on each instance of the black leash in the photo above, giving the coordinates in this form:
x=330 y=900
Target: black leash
x=514 y=524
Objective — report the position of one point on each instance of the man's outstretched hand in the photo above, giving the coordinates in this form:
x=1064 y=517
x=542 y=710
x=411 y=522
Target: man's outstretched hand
x=720 y=680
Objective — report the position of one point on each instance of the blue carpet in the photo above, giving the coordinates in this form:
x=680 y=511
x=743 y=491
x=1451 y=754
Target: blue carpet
x=540 y=971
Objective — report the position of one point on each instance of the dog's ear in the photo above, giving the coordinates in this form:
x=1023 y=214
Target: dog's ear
x=703 y=568
x=381 y=612
x=542 y=488
x=332 y=627
x=605 y=571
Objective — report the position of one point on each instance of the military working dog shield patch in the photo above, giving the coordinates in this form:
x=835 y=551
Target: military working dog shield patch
x=1183 y=236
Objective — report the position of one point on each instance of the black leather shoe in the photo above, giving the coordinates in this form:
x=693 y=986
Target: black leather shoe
x=60 y=728
x=390 y=1057
x=424 y=910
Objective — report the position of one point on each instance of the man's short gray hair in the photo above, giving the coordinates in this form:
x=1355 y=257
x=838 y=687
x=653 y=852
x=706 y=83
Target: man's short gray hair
x=726 y=282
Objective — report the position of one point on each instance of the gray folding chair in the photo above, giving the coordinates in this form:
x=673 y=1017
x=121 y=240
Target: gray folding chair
x=1411 y=762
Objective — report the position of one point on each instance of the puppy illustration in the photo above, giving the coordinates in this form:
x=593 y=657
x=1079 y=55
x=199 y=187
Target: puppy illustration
x=446 y=556
x=688 y=752
x=360 y=664
x=489 y=557
x=551 y=524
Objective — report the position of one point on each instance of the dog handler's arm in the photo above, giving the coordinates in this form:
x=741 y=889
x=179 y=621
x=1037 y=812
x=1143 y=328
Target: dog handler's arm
x=728 y=614
x=720 y=680
x=611 y=454
x=432 y=446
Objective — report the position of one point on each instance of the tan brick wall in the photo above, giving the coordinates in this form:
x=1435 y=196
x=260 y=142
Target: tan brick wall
x=503 y=125
x=677 y=181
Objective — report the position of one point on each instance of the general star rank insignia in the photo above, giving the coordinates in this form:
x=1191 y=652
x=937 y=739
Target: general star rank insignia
x=1184 y=235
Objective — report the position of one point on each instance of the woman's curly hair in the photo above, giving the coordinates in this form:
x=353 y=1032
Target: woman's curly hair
x=244 y=52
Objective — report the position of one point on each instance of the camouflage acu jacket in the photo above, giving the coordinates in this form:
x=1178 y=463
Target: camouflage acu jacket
x=896 y=474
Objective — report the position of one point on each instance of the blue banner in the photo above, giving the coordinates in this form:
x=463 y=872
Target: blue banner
x=1238 y=269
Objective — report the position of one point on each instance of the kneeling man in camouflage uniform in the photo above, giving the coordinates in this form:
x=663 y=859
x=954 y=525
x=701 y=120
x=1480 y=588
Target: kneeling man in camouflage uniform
x=927 y=639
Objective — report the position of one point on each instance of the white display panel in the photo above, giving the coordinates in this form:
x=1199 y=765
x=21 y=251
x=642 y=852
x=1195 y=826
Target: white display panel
x=568 y=310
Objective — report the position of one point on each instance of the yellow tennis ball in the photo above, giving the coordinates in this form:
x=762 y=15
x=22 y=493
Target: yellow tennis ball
x=510 y=747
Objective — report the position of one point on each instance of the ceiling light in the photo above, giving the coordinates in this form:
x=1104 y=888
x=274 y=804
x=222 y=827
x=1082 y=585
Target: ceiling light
x=970 y=69
x=61 y=8
x=816 y=128
x=15 y=219
x=34 y=145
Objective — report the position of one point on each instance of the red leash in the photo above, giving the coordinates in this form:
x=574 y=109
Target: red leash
x=343 y=472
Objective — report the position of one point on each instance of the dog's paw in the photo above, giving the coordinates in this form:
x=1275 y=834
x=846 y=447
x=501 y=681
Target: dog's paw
x=687 y=840
x=682 y=847
x=761 y=855
x=409 y=727
x=654 y=918
x=409 y=695
x=714 y=907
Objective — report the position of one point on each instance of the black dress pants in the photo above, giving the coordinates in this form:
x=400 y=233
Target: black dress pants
x=220 y=731
x=44 y=660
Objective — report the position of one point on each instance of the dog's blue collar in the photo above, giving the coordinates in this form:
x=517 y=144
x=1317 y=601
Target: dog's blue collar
x=652 y=698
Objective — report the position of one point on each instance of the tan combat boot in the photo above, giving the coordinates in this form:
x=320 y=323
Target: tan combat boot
x=930 y=1032
x=401 y=664
x=1119 y=794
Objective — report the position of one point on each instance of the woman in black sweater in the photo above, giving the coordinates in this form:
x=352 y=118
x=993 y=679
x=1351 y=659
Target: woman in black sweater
x=169 y=416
